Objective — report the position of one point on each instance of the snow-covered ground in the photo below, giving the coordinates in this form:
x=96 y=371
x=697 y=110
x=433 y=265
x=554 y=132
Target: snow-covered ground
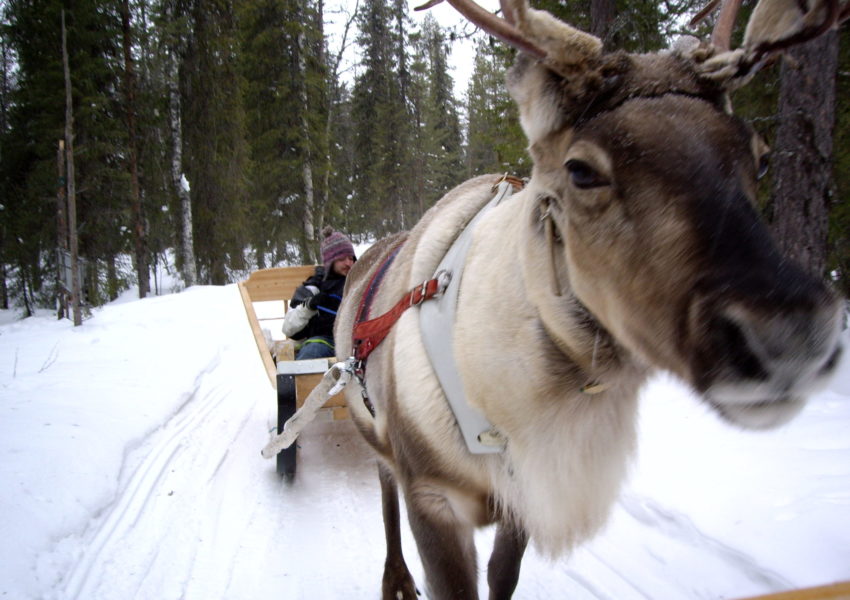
x=130 y=468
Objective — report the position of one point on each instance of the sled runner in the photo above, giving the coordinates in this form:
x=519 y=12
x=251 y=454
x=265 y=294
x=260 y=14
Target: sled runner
x=268 y=292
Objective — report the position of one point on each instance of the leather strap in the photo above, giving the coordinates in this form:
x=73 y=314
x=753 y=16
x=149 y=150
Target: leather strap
x=368 y=334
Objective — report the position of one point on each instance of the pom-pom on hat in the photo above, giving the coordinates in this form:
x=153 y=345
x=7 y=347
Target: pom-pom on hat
x=335 y=245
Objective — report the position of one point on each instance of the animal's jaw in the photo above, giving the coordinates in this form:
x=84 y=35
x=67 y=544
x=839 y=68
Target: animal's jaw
x=757 y=414
x=774 y=401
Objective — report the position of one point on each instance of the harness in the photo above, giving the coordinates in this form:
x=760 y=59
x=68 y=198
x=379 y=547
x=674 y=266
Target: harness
x=436 y=323
x=369 y=333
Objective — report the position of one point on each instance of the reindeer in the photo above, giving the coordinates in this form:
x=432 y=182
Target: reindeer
x=634 y=247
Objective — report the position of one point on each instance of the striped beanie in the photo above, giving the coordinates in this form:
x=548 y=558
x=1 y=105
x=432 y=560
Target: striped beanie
x=334 y=246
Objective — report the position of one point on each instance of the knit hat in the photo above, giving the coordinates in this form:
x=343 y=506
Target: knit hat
x=334 y=246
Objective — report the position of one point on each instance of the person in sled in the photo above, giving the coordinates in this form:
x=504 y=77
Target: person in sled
x=310 y=320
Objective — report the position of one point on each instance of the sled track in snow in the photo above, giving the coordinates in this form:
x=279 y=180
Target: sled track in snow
x=679 y=527
x=132 y=500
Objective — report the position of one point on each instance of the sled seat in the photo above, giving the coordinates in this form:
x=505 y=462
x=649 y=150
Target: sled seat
x=268 y=292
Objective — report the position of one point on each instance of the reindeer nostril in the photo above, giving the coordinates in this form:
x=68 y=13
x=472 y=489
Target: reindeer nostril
x=739 y=356
x=831 y=363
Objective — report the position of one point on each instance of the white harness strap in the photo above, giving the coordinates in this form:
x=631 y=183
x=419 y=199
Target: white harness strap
x=436 y=323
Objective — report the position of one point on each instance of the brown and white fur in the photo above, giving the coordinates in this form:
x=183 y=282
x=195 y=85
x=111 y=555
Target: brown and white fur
x=652 y=256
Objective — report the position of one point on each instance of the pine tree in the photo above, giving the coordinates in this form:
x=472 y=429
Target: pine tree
x=495 y=142
x=839 y=234
x=35 y=125
x=285 y=99
x=215 y=150
x=130 y=102
x=441 y=148
x=7 y=77
x=382 y=122
x=803 y=167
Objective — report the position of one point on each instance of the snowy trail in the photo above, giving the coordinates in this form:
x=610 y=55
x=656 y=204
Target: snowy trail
x=172 y=450
x=194 y=511
x=200 y=514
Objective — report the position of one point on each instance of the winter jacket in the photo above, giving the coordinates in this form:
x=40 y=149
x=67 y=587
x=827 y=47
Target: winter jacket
x=302 y=322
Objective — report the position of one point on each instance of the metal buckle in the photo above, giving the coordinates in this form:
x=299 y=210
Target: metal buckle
x=422 y=289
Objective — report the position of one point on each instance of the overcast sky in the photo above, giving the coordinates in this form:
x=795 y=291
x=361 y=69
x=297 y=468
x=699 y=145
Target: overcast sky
x=462 y=50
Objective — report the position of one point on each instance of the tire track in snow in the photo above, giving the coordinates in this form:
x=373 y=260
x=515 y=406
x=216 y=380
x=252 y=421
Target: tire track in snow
x=142 y=485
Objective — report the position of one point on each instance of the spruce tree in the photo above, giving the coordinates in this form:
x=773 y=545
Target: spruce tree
x=442 y=145
x=495 y=141
x=36 y=122
x=285 y=100
x=382 y=122
x=215 y=150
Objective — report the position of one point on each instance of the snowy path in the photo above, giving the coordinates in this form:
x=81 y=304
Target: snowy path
x=192 y=511
x=202 y=515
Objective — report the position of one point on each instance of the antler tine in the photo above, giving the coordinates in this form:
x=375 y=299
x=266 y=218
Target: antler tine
x=721 y=36
x=507 y=11
x=813 y=22
x=500 y=28
x=701 y=15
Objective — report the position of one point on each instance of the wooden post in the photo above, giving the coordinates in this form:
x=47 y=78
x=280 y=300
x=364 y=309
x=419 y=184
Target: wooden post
x=72 y=193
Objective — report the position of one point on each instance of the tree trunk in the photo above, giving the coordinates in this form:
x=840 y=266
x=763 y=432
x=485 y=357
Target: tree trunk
x=802 y=162
x=5 y=101
x=140 y=241
x=72 y=193
x=307 y=222
x=333 y=99
x=61 y=233
x=178 y=179
x=602 y=13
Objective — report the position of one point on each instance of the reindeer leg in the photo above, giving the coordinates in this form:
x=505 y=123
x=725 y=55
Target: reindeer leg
x=446 y=545
x=398 y=582
x=503 y=569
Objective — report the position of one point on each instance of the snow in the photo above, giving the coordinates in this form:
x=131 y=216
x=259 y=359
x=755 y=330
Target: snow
x=130 y=468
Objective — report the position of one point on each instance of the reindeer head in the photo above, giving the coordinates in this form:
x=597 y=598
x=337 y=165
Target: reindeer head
x=649 y=183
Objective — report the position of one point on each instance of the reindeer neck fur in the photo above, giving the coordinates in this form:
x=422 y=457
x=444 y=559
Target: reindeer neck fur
x=571 y=327
x=552 y=427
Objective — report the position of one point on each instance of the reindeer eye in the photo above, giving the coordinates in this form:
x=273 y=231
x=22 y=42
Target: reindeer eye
x=764 y=165
x=584 y=176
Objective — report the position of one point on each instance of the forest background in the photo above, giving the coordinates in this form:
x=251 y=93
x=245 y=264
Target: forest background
x=226 y=133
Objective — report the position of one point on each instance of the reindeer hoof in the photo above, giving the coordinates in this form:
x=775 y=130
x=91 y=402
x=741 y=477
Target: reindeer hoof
x=404 y=589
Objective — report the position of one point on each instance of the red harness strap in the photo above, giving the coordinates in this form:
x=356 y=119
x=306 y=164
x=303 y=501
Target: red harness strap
x=368 y=334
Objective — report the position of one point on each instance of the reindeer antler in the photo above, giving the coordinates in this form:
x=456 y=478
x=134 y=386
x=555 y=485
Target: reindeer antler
x=537 y=33
x=504 y=29
x=774 y=26
x=721 y=36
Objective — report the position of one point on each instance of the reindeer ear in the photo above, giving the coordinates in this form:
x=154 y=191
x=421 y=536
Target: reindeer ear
x=543 y=95
x=568 y=49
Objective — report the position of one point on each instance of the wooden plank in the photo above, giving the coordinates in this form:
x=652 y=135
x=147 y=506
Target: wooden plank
x=265 y=285
x=304 y=384
x=835 y=591
x=278 y=283
x=260 y=340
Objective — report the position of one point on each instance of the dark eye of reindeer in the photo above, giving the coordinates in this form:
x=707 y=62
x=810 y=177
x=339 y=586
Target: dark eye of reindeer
x=583 y=175
x=764 y=165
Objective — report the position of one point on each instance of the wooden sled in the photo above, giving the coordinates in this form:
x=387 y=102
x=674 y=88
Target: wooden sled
x=269 y=292
x=835 y=591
